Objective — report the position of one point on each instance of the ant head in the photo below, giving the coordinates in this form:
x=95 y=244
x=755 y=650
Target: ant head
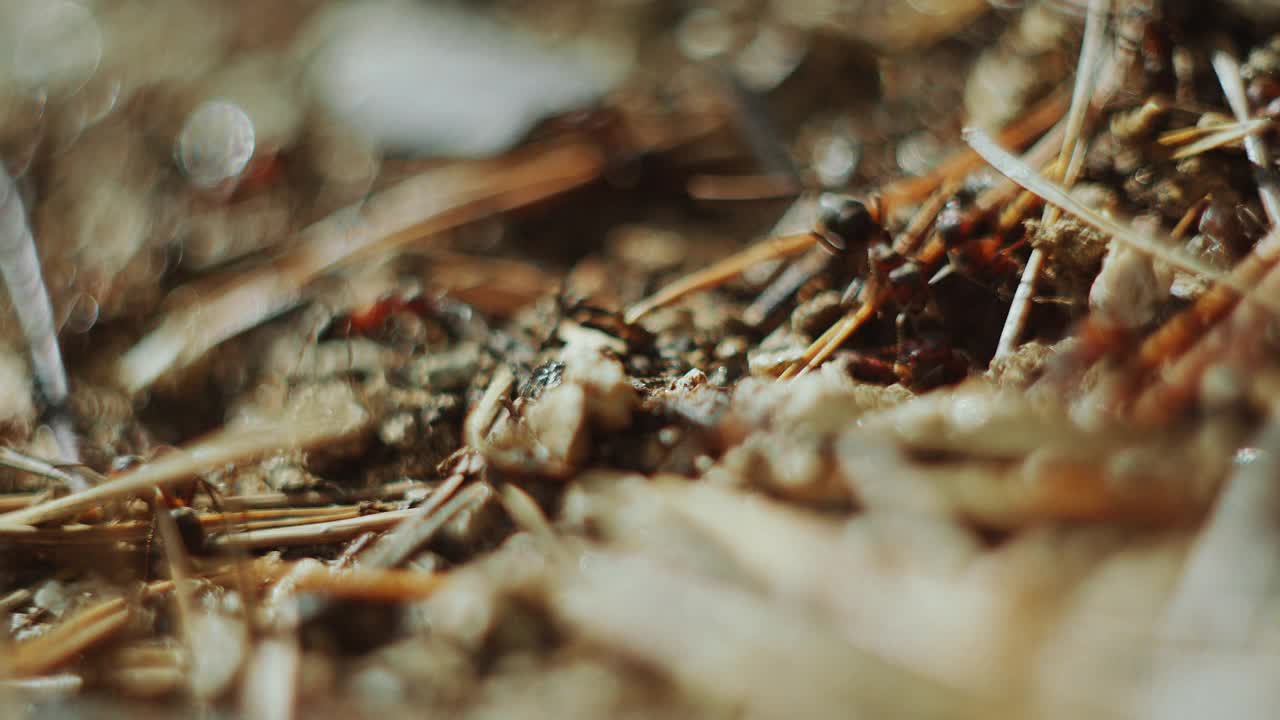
x=844 y=221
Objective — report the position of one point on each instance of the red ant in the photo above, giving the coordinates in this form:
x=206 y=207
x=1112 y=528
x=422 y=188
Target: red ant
x=454 y=317
x=367 y=320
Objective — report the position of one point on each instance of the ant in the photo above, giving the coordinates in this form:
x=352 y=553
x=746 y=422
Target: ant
x=458 y=319
x=372 y=318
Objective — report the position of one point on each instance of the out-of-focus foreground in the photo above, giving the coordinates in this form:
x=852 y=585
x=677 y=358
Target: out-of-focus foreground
x=639 y=358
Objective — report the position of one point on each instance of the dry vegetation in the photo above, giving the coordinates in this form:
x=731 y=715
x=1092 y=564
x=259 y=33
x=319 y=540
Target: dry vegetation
x=985 y=425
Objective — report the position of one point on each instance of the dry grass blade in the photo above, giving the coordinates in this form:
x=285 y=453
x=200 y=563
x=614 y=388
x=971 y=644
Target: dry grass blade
x=422 y=206
x=294 y=503
x=869 y=300
x=44 y=688
x=74 y=534
x=1212 y=138
x=222 y=448
x=331 y=531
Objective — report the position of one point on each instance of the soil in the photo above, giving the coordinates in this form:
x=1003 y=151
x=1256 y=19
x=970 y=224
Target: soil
x=381 y=432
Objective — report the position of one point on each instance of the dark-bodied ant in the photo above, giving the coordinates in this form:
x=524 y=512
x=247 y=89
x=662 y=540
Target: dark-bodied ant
x=846 y=224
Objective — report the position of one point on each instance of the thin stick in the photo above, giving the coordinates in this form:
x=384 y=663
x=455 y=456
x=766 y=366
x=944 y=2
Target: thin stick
x=1071 y=160
x=831 y=340
x=1215 y=138
x=1255 y=271
x=26 y=463
x=480 y=420
x=20 y=267
x=419 y=526
x=416 y=529
x=175 y=555
x=73 y=636
x=15 y=600
x=316 y=533
x=722 y=272
x=369 y=584
x=912 y=235
x=222 y=448
x=928 y=257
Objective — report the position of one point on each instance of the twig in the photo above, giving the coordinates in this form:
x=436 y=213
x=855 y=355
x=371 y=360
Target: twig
x=368 y=584
x=20 y=267
x=722 y=272
x=424 y=522
x=316 y=533
x=222 y=448
x=17 y=501
x=1070 y=160
x=480 y=420
x=175 y=555
x=1211 y=138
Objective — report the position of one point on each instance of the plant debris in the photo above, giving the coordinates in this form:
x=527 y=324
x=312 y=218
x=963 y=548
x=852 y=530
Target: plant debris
x=886 y=359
